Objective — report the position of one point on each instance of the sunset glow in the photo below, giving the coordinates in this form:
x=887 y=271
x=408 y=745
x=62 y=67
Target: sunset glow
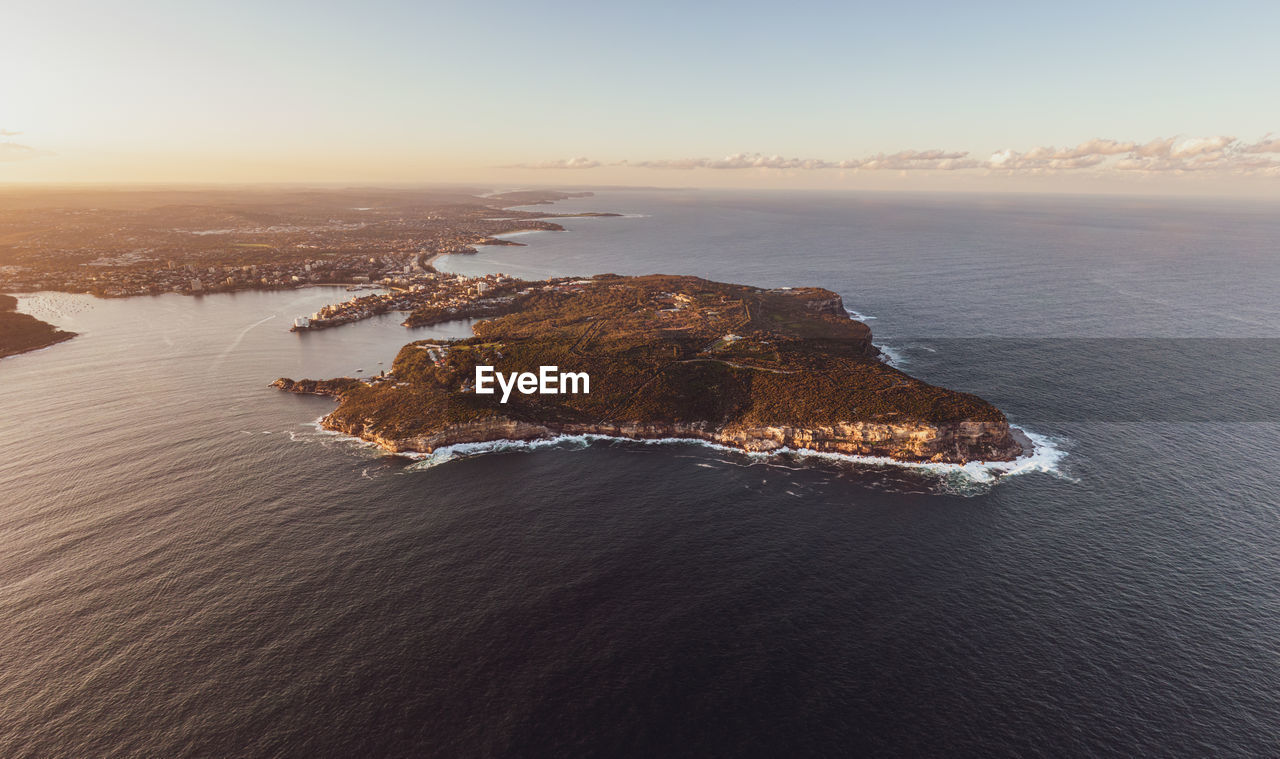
x=994 y=97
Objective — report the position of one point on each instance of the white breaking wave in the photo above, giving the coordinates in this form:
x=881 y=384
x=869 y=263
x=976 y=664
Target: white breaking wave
x=1045 y=455
x=449 y=453
x=317 y=434
x=892 y=356
x=888 y=355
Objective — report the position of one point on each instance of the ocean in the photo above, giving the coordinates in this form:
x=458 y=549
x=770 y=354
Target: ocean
x=190 y=567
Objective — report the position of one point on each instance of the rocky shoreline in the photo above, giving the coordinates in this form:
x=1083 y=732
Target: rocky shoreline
x=23 y=333
x=910 y=442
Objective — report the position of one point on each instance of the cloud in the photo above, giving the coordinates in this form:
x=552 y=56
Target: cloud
x=1219 y=153
x=1048 y=158
x=563 y=163
x=1201 y=146
x=1103 y=147
x=1156 y=148
x=914 y=160
x=9 y=133
x=12 y=151
x=1267 y=144
x=735 y=161
x=903 y=160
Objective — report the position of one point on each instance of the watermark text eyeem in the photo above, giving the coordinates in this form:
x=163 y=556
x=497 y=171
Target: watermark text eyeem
x=548 y=381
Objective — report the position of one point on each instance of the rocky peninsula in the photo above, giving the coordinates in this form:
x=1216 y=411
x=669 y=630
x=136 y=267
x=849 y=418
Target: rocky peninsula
x=668 y=356
x=20 y=332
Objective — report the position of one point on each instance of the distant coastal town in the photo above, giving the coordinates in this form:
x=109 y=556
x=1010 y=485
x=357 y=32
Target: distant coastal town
x=129 y=243
x=418 y=291
x=132 y=243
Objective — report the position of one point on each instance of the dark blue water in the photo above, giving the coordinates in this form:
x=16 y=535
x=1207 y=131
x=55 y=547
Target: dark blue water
x=188 y=568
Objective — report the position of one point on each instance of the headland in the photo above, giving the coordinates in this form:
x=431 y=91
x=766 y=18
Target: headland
x=20 y=332
x=668 y=356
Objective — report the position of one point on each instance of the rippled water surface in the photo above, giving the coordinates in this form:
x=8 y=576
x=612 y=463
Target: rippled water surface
x=189 y=567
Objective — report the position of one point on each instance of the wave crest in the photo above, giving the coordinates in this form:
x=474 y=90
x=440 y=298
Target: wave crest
x=1045 y=456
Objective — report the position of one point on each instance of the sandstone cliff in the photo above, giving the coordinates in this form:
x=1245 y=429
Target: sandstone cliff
x=914 y=442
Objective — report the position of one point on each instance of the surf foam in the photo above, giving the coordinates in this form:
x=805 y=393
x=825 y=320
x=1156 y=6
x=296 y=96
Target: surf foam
x=1045 y=455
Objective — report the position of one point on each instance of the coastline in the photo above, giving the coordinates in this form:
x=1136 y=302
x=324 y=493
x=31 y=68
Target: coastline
x=183 y=258
x=23 y=333
x=503 y=242
x=914 y=443
x=1040 y=453
x=911 y=442
x=883 y=414
x=9 y=353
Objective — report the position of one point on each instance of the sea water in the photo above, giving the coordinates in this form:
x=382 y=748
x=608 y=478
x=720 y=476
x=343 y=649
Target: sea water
x=189 y=566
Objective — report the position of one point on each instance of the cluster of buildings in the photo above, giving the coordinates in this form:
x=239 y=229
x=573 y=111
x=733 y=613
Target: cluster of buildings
x=284 y=243
x=408 y=293
x=192 y=279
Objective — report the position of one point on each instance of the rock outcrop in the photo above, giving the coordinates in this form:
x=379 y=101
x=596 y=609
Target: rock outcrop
x=912 y=442
x=332 y=387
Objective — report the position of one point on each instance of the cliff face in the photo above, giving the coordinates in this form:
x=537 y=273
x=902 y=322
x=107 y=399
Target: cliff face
x=817 y=301
x=915 y=442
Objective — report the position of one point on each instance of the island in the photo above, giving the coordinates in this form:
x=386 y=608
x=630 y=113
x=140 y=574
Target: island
x=756 y=369
x=20 y=332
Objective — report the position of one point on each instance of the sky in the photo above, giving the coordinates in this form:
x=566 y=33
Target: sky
x=1126 y=97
